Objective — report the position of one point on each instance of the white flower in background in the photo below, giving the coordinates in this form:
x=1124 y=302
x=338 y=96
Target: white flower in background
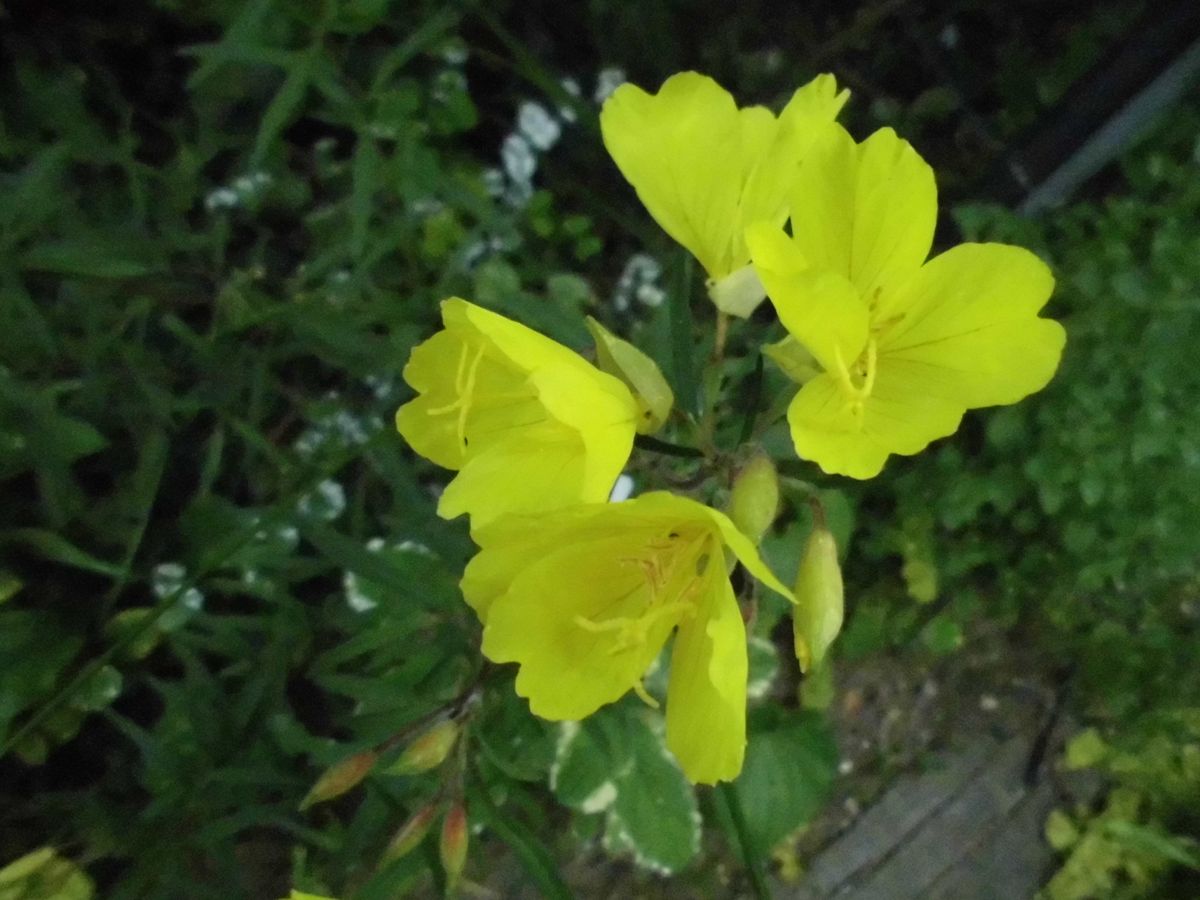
x=518 y=158
x=607 y=81
x=565 y=112
x=327 y=501
x=638 y=281
x=537 y=125
x=166 y=580
x=622 y=490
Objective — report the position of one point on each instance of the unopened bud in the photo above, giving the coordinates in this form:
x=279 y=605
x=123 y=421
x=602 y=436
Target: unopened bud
x=453 y=846
x=410 y=834
x=754 y=503
x=640 y=374
x=427 y=751
x=340 y=777
x=820 y=597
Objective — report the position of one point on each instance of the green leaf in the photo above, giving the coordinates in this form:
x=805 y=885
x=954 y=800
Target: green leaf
x=1085 y=750
x=82 y=258
x=942 y=635
x=54 y=547
x=683 y=340
x=654 y=815
x=284 y=105
x=365 y=183
x=412 y=578
x=589 y=757
x=1151 y=840
x=788 y=774
x=528 y=846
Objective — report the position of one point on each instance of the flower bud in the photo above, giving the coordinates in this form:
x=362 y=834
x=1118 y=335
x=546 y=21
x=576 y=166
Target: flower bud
x=409 y=836
x=640 y=374
x=340 y=777
x=427 y=751
x=817 y=617
x=754 y=503
x=453 y=845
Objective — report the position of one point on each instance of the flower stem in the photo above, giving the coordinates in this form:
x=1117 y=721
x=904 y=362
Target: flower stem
x=654 y=445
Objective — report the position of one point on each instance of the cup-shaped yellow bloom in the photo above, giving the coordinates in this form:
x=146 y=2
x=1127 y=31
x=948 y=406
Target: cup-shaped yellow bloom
x=528 y=424
x=705 y=169
x=585 y=599
x=904 y=345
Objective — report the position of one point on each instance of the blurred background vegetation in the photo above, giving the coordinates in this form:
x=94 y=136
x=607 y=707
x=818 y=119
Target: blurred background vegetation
x=223 y=225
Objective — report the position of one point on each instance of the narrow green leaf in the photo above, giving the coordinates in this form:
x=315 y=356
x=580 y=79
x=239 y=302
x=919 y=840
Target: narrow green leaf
x=365 y=181
x=82 y=258
x=422 y=582
x=283 y=107
x=683 y=341
x=54 y=547
x=538 y=863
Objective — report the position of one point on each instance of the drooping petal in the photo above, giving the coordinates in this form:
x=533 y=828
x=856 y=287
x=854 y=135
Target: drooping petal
x=970 y=331
x=681 y=149
x=745 y=551
x=568 y=669
x=706 y=694
x=820 y=308
x=866 y=212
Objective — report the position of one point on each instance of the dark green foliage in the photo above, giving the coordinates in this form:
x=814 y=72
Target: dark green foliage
x=224 y=225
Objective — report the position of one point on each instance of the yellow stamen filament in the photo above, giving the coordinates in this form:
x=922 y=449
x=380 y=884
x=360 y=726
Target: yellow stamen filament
x=855 y=394
x=639 y=688
x=464 y=386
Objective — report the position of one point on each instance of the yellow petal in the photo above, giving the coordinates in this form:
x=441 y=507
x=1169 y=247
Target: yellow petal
x=534 y=469
x=864 y=212
x=970 y=331
x=820 y=308
x=793 y=359
x=681 y=149
x=818 y=101
x=706 y=695
x=775 y=148
x=603 y=413
x=568 y=671
x=745 y=551
x=896 y=418
x=523 y=347
x=530 y=423
x=638 y=372
x=509 y=543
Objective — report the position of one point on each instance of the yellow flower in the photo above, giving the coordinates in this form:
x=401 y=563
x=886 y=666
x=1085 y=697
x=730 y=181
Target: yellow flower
x=705 y=169
x=904 y=346
x=529 y=424
x=584 y=600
